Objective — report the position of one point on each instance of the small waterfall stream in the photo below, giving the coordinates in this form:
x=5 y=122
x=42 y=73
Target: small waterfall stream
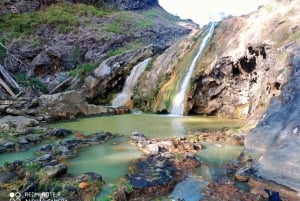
x=123 y=97
x=178 y=101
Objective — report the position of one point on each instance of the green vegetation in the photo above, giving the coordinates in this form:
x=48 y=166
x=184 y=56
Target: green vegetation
x=127 y=22
x=2 y=52
x=64 y=16
x=126 y=183
x=157 y=12
x=126 y=47
x=82 y=70
x=26 y=81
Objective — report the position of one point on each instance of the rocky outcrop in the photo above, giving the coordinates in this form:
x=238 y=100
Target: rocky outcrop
x=17 y=123
x=70 y=104
x=239 y=89
x=22 y=6
x=274 y=142
x=111 y=74
x=242 y=67
x=166 y=162
x=132 y=5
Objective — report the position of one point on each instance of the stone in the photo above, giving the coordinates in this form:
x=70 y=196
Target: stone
x=42 y=64
x=152 y=149
x=64 y=56
x=9 y=146
x=84 y=185
x=34 y=138
x=17 y=122
x=58 y=132
x=237 y=140
x=56 y=170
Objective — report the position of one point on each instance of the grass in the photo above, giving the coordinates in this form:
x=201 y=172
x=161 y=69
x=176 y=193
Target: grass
x=82 y=70
x=26 y=81
x=159 y=13
x=64 y=16
x=126 y=47
x=128 y=22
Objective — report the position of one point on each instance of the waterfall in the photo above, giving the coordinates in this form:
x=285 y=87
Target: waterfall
x=178 y=102
x=123 y=97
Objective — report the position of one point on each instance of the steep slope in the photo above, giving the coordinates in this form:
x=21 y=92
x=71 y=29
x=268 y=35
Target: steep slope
x=48 y=43
x=247 y=62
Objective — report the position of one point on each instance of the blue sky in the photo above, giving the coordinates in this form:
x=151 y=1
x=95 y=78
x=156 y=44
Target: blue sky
x=202 y=12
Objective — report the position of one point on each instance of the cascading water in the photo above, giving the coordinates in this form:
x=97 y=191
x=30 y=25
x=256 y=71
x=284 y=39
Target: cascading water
x=178 y=102
x=123 y=97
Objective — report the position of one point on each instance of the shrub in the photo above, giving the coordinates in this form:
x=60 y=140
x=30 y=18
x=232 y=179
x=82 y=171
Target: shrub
x=26 y=81
x=82 y=70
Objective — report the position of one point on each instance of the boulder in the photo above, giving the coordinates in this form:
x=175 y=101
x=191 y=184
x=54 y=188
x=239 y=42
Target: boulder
x=18 y=123
x=42 y=64
x=58 y=132
x=64 y=56
x=56 y=170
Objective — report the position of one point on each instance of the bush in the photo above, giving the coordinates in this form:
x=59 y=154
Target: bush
x=26 y=81
x=82 y=70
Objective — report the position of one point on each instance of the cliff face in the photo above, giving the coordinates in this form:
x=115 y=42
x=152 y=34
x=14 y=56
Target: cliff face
x=251 y=70
x=246 y=63
x=275 y=141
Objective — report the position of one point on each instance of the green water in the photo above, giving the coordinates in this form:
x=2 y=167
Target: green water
x=151 y=125
x=10 y=157
x=214 y=156
x=110 y=160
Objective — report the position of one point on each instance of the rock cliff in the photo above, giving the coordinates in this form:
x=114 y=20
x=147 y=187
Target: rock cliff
x=246 y=63
x=250 y=70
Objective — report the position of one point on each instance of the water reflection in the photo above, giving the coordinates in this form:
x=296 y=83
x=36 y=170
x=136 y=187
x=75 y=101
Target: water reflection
x=151 y=125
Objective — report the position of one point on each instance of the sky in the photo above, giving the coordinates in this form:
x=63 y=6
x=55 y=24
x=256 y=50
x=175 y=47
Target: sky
x=202 y=12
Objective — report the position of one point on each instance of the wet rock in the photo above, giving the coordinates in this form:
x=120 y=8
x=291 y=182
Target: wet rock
x=9 y=146
x=2 y=149
x=58 y=132
x=137 y=137
x=237 y=140
x=45 y=148
x=111 y=72
x=56 y=170
x=33 y=138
